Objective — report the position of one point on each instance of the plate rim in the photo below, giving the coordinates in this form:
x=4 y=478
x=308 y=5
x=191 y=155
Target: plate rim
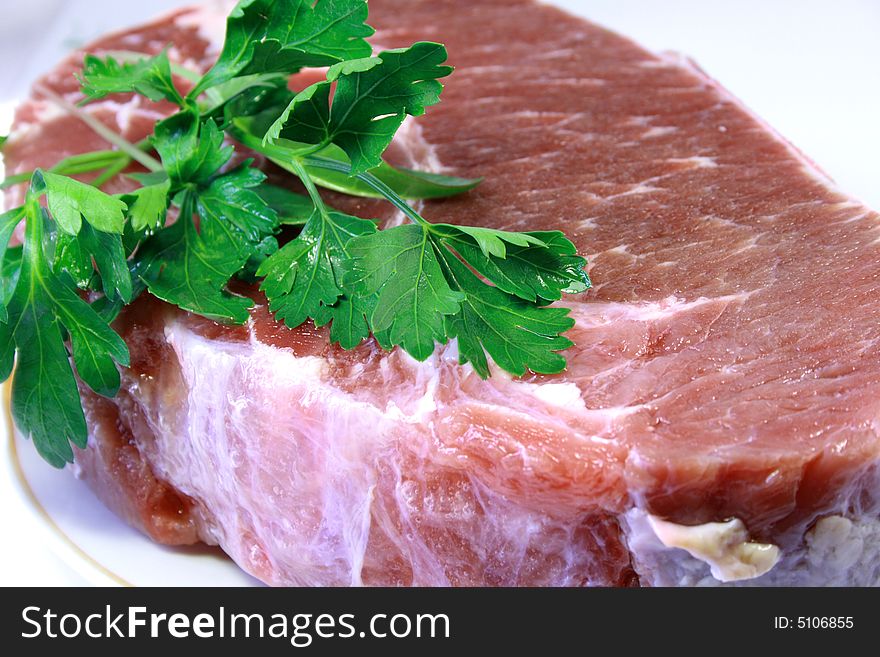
x=60 y=543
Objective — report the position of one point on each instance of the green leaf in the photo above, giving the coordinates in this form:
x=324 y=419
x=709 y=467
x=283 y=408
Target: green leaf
x=94 y=344
x=518 y=335
x=266 y=247
x=292 y=209
x=308 y=114
x=45 y=397
x=256 y=81
x=70 y=258
x=8 y=221
x=349 y=323
x=108 y=309
x=191 y=268
x=223 y=96
x=9 y=269
x=416 y=185
x=265 y=36
x=255 y=107
x=492 y=242
x=191 y=151
x=71 y=200
x=7 y=351
x=148 y=178
x=371 y=99
x=407 y=183
x=532 y=266
x=231 y=198
x=150 y=77
x=75 y=254
x=304 y=277
x=10 y=266
x=3 y=139
x=400 y=265
x=148 y=205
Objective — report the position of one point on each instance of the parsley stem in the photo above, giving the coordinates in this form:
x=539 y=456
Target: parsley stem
x=73 y=165
x=33 y=228
x=113 y=162
x=287 y=159
x=111 y=171
x=303 y=175
x=16 y=179
x=372 y=181
x=279 y=155
x=101 y=130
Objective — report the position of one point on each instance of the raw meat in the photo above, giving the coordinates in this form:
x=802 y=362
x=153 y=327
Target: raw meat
x=719 y=416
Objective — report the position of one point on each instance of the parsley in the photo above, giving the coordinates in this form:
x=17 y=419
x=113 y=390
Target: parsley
x=518 y=335
x=71 y=200
x=373 y=95
x=191 y=150
x=148 y=205
x=45 y=397
x=413 y=286
x=425 y=294
x=191 y=267
x=267 y=36
x=149 y=77
x=304 y=278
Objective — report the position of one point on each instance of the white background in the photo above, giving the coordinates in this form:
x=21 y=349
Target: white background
x=811 y=69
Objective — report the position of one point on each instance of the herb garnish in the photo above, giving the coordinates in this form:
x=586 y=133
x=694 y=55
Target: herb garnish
x=412 y=286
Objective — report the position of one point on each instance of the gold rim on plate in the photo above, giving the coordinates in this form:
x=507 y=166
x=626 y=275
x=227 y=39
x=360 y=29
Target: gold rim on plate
x=32 y=498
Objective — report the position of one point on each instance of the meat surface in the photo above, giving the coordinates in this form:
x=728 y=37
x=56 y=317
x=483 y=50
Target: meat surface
x=726 y=365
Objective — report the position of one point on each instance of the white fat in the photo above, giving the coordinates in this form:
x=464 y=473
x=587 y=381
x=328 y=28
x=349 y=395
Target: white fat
x=696 y=161
x=424 y=407
x=209 y=18
x=300 y=474
x=559 y=394
x=835 y=551
x=422 y=154
x=591 y=315
x=124 y=112
x=263 y=432
x=724 y=546
x=658 y=131
x=641 y=188
x=301 y=466
x=44 y=112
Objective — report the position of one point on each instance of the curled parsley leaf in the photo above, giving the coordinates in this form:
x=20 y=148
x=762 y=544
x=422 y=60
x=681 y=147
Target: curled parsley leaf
x=268 y=36
x=147 y=205
x=150 y=77
x=372 y=97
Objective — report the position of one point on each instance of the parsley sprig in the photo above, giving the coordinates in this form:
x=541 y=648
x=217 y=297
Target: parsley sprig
x=201 y=217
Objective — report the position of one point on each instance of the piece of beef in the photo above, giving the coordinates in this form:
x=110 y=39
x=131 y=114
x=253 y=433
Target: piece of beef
x=726 y=367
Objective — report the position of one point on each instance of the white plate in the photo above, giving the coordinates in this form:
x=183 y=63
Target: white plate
x=808 y=68
x=96 y=544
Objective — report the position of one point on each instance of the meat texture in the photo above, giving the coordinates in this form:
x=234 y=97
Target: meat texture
x=726 y=366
